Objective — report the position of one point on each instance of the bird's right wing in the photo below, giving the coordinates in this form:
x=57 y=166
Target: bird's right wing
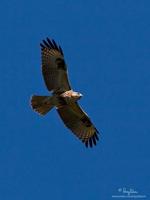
x=79 y=123
x=54 y=69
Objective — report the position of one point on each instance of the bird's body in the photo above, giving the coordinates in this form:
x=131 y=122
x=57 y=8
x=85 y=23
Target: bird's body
x=63 y=98
x=71 y=96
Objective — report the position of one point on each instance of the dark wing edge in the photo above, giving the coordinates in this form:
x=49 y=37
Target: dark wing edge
x=51 y=44
x=85 y=123
x=90 y=142
x=54 y=68
x=93 y=139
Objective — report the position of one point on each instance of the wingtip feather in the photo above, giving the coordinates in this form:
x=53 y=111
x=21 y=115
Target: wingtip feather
x=92 y=140
x=51 y=44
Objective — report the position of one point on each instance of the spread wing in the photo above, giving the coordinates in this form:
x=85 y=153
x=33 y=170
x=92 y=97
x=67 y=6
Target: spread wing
x=54 y=69
x=79 y=123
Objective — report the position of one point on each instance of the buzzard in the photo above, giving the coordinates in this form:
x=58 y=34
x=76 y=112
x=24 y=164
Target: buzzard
x=63 y=98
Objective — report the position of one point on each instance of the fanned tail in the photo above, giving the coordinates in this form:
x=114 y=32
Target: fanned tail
x=41 y=104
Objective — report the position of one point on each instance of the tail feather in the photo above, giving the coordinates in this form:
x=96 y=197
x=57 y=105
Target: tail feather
x=41 y=104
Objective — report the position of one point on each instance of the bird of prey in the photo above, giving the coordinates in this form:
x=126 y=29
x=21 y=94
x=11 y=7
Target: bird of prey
x=63 y=98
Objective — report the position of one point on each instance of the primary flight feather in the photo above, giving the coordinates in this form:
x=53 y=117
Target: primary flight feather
x=63 y=98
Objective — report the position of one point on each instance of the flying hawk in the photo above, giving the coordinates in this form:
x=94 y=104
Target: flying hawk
x=64 y=99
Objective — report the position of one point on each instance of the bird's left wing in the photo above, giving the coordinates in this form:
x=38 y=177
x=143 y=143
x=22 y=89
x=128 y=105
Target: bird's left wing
x=54 y=68
x=79 y=123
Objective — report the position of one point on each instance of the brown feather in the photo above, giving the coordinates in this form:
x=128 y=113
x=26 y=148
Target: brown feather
x=54 y=68
x=79 y=123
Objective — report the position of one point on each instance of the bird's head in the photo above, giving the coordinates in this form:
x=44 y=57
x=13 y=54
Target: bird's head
x=80 y=95
x=77 y=95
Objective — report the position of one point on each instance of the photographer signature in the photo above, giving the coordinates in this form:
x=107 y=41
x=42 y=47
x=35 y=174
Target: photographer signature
x=128 y=193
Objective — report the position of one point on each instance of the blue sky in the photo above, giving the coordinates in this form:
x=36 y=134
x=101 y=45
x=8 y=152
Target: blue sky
x=107 y=49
